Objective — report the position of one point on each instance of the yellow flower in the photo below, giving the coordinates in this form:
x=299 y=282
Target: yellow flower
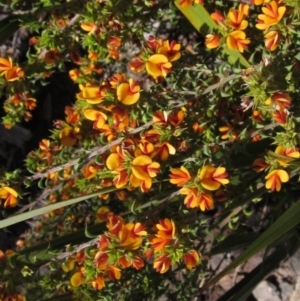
x=272 y=14
x=171 y=51
x=275 y=178
x=162 y=263
x=98 y=117
x=287 y=152
x=236 y=40
x=9 y=195
x=211 y=177
x=128 y=93
x=69 y=136
x=158 y=65
x=235 y=20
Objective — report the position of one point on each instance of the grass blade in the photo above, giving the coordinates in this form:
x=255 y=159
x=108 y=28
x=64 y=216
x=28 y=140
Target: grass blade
x=282 y=225
x=30 y=214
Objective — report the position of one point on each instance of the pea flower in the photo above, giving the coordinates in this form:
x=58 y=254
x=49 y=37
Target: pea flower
x=275 y=178
x=128 y=93
x=272 y=40
x=9 y=195
x=272 y=14
x=211 y=177
x=191 y=259
x=158 y=65
x=180 y=176
x=235 y=20
x=236 y=40
x=212 y=41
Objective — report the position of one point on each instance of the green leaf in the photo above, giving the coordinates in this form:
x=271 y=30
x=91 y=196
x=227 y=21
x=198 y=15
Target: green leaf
x=282 y=225
x=30 y=214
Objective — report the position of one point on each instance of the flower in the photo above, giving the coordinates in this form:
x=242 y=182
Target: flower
x=186 y=3
x=171 y=51
x=211 y=178
x=235 y=20
x=162 y=263
x=180 y=176
x=158 y=65
x=9 y=195
x=130 y=236
x=77 y=279
x=195 y=198
x=128 y=93
x=272 y=14
x=102 y=214
x=98 y=117
x=191 y=259
x=287 y=152
x=69 y=136
x=164 y=236
x=275 y=178
x=272 y=40
x=143 y=170
x=212 y=41
x=236 y=40
x=98 y=283
x=260 y=164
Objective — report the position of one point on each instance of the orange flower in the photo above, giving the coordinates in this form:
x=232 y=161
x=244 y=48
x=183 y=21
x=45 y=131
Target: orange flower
x=280 y=116
x=236 y=40
x=101 y=260
x=136 y=65
x=191 y=259
x=158 y=65
x=275 y=178
x=212 y=41
x=98 y=117
x=163 y=150
x=10 y=196
x=287 y=152
x=92 y=94
x=179 y=176
x=98 y=283
x=128 y=93
x=69 y=136
x=130 y=236
x=14 y=73
x=218 y=17
x=195 y=198
x=171 y=51
x=90 y=171
x=90 y=27
x=5 y=64
x=162 y=263
x=74 y=74
x=272 y=40
x=272 y=14
x=164 y=236
x=113 y=273
x=235 y=20
x=186 y=3
x=211 y=178
x=283 y=100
